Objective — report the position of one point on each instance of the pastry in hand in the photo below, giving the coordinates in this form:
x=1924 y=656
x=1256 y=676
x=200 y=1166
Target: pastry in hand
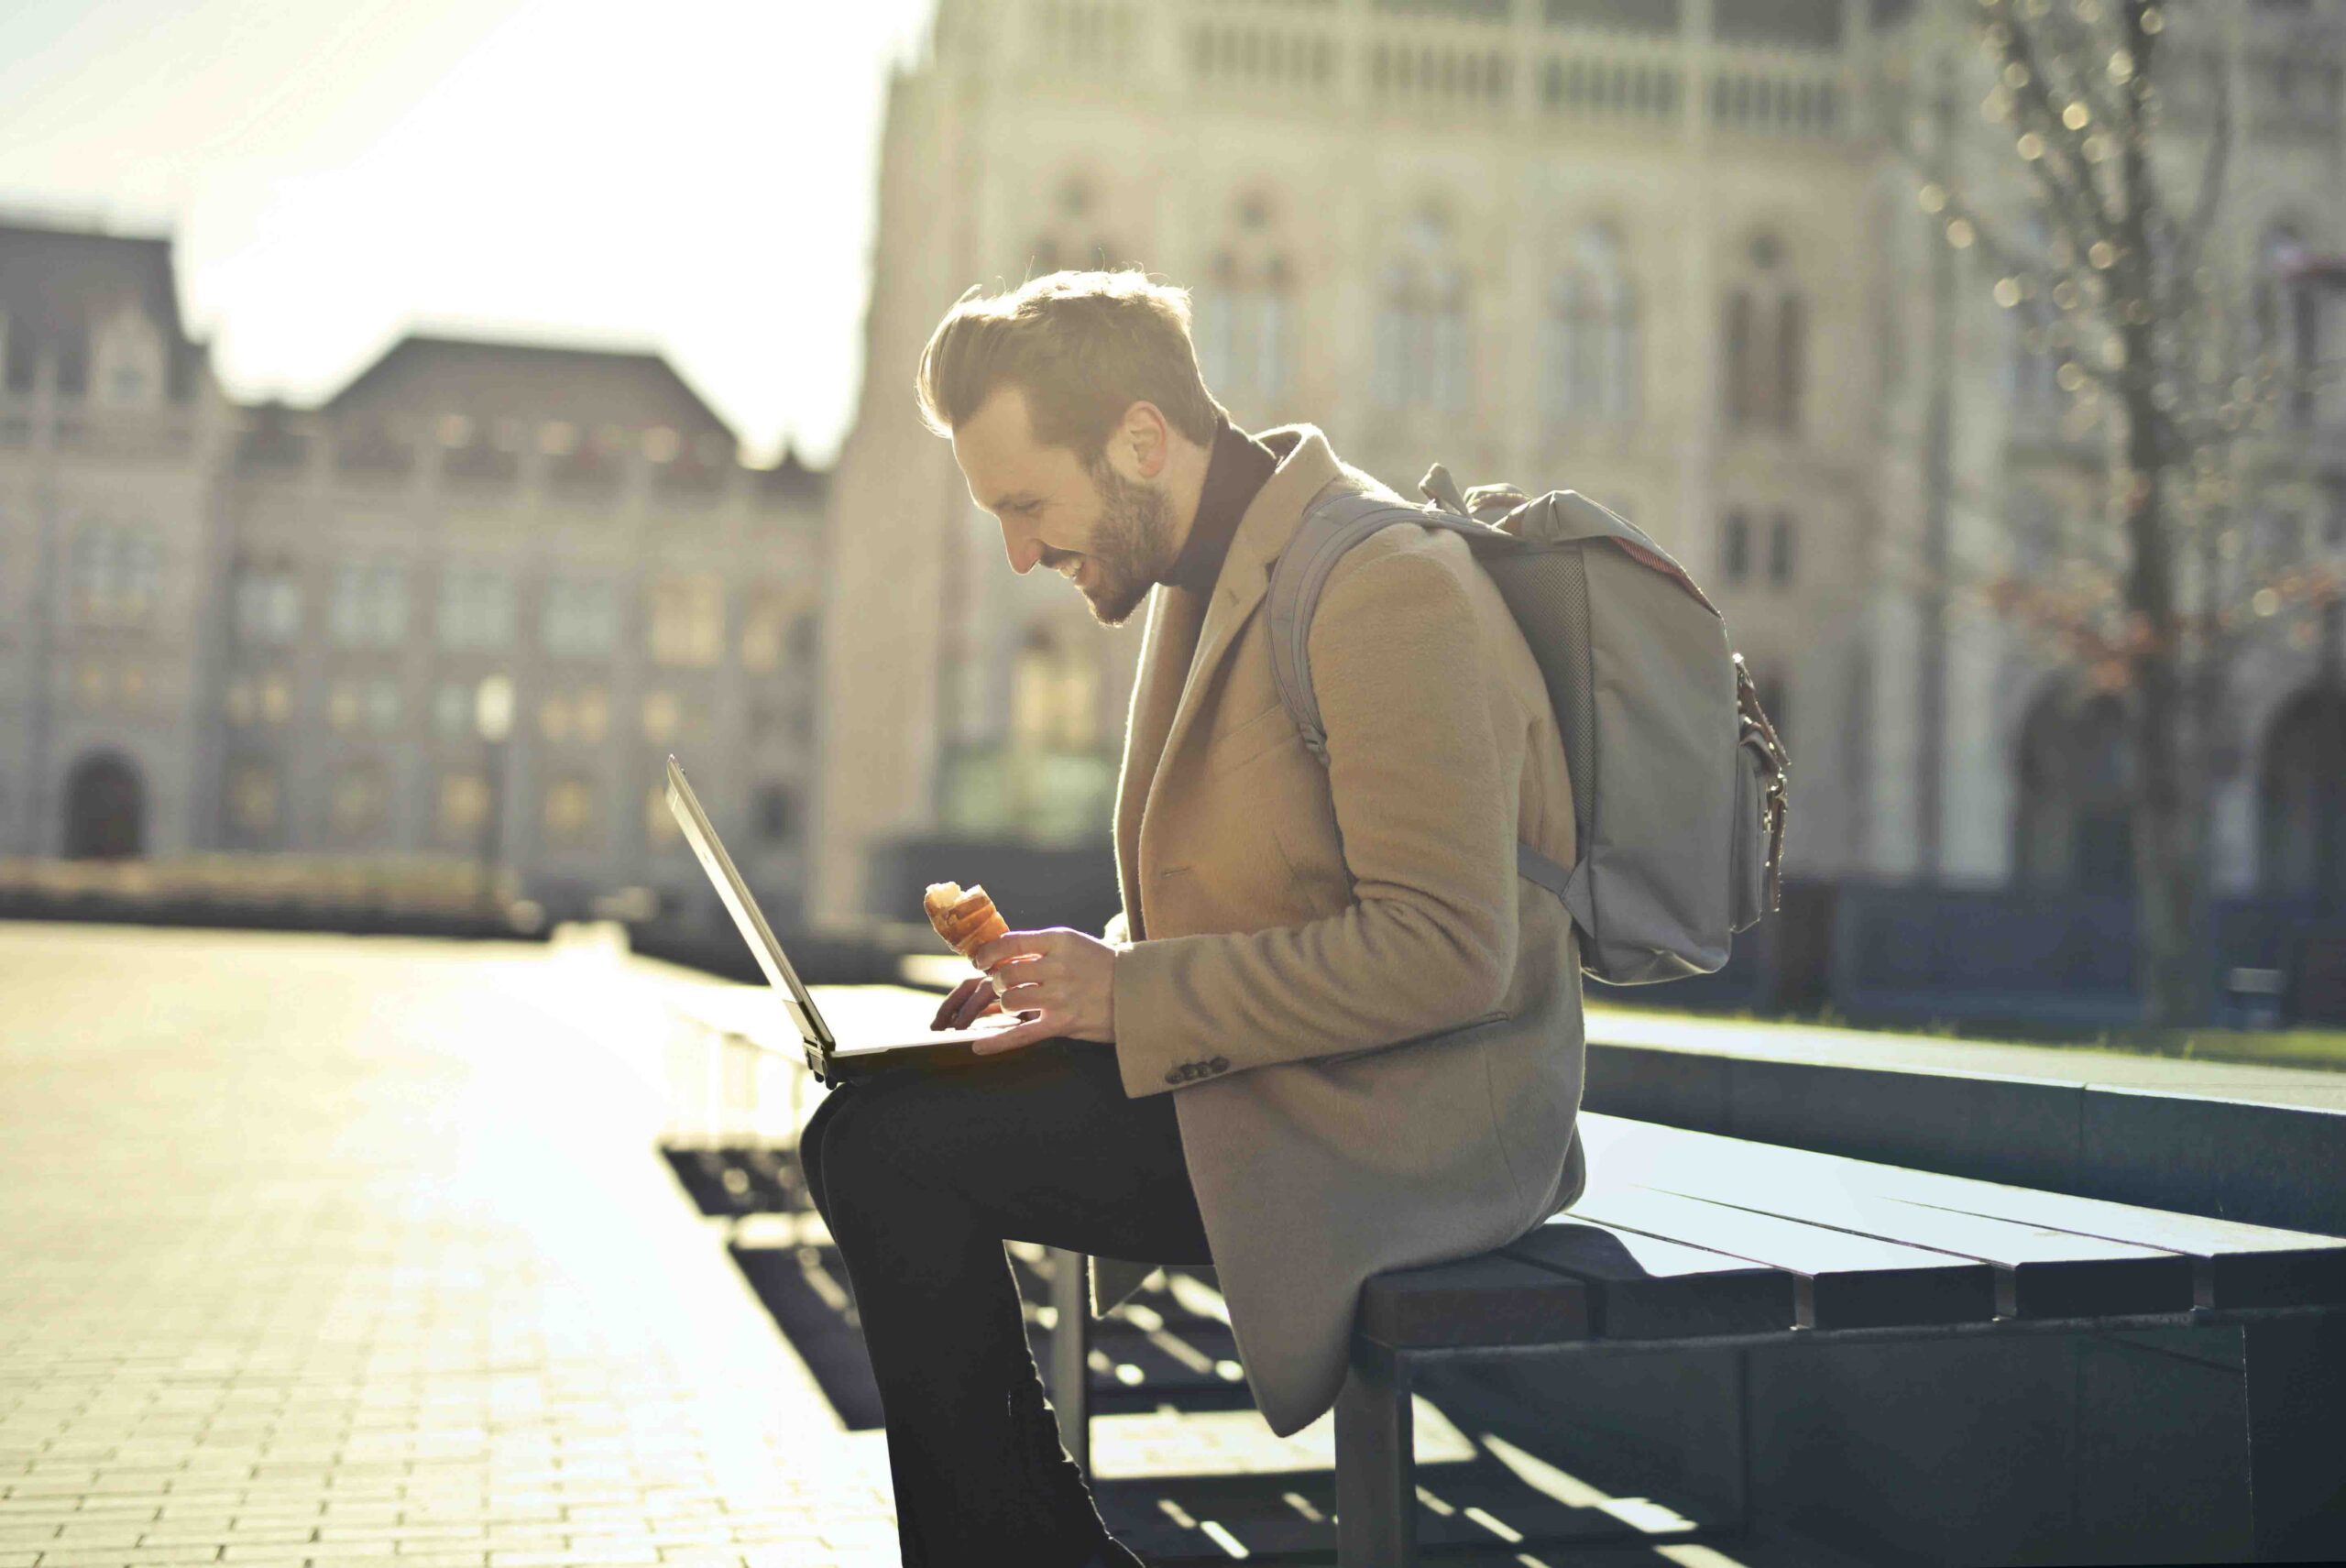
x=963 y=920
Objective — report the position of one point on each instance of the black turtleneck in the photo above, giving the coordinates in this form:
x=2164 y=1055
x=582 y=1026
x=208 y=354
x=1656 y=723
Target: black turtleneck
x=1234 y=471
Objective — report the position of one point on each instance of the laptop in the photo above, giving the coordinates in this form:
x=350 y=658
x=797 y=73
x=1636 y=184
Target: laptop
x=877 y=1040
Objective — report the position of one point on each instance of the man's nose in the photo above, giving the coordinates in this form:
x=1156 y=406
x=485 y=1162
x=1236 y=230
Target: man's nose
x=1026 y=550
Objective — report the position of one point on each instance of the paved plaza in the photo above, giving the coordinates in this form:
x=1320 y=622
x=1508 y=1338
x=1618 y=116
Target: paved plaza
x=323 y=1251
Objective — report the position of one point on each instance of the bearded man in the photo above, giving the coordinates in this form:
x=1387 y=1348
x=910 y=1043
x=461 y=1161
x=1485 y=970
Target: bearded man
x=1331 y=1032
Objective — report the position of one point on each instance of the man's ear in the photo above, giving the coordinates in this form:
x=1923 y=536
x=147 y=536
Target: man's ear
x=1143 y=443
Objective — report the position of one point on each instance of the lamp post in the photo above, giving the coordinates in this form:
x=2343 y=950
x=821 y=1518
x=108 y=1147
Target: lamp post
x=493 y=721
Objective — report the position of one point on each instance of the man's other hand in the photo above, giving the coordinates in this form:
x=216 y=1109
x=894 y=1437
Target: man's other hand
x=1060 y=980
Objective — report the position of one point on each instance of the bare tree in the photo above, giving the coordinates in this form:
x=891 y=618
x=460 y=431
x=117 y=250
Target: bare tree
x=2117 y=263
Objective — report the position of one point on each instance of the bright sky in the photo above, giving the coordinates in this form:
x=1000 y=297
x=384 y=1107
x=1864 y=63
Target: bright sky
x=694 y=176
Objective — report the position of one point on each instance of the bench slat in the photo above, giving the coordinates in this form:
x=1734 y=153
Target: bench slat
x=2236 y=1264
x=1489 y=1299
x=1642 y=1287
x=1843 y=1280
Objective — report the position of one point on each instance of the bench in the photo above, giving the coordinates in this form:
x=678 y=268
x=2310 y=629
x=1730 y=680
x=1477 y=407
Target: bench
x=1688 y=1241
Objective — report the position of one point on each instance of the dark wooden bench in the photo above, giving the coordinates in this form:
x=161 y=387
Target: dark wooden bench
x=1687 y=1241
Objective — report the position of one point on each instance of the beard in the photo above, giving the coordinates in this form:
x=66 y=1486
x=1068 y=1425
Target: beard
x=1131 y=546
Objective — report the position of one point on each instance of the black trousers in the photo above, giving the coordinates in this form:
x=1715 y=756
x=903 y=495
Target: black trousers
x=922 y=1176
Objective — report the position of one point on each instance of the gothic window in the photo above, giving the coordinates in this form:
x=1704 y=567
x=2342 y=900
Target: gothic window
x=1054 y=696
x=2288 y=318
x=1780 y=551
x=1766 y=347
x=581 y=617
x=1591 y=361
x=1422 y=352
x=688 y=621
x=1070 y=235
x=1243 y=320
x=475 y=607
x=368 y=607
x=267 y=603
x=1735 y=547
x=115 y=573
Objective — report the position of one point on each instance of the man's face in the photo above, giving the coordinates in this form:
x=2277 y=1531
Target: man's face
x=1107 y=525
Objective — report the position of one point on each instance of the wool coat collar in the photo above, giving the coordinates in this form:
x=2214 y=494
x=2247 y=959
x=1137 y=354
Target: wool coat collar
x=1170 y=686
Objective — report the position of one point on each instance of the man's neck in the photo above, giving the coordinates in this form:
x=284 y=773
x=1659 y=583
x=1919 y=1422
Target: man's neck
x=1185 y=483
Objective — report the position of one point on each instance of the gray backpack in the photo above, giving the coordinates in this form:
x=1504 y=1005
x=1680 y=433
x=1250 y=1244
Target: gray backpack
x=1677 y=775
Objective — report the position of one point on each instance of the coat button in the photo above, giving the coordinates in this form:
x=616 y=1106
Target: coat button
x=1220 y=1064
x=1174 y=1076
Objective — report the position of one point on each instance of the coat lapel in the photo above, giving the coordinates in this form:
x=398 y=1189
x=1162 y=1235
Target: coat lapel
x=1167 y=693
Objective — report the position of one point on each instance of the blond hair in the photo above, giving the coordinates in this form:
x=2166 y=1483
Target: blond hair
x=1084 y=346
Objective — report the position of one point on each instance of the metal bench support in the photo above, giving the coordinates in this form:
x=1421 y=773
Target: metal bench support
x=2295 y=1371
x=1071 y=1355
x=1377 y=1463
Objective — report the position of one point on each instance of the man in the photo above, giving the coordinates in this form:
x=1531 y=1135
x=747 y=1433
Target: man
x=1331 y=1032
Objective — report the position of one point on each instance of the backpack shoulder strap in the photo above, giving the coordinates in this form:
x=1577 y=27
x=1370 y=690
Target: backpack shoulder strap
x=1328 y=528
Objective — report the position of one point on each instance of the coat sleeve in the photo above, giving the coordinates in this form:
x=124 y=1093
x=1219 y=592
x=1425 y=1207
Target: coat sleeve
x=1429 y=829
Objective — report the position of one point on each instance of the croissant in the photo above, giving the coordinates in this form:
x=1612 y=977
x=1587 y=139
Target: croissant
x=963 y=920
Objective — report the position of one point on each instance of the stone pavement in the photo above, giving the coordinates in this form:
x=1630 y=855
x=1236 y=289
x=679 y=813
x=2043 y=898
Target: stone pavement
x=322 y=1251
x=326 y=1251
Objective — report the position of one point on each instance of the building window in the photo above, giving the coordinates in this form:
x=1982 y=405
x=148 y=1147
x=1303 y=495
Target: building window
x=359 y=796
x=383 y=705
x=688 y=621
x=1590 y=363
x=1245 y=318
x=1780 y=551
x=570 y=814
x=273 y=697
x=367 y=605
x=2288 y=317
x=777 y=813
x=129 y=352
x=768 y=624
x=267 y=598
x=475 y=607
x=452 y=709
x=1054 y=696
x=252 y=796
x=1765 y=346
x=1423 y=353
x=581 y=618
x=590 y=713
x=554 y=717
x=342 y=706
x=115 y=572
x=464 y=804
x=1735 y=547
x=659 y=823
x=662 y=717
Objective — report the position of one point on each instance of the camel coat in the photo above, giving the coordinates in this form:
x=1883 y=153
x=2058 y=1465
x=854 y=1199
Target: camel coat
x=1370 y=1025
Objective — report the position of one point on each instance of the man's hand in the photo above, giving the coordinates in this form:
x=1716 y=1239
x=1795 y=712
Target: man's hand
x=1063 y=981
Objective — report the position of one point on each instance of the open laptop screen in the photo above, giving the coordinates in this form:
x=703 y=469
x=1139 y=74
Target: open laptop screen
x=747 y=916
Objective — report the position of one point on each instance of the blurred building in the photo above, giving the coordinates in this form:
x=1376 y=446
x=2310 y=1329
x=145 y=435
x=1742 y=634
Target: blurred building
x=1660 y=251
x=466 y=607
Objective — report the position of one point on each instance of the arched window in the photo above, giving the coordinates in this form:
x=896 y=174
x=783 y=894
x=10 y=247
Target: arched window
x=2033 y=366
x=2074 y=828
x=1055 y=694
x=2289 y=316
x=1243 y=319
x=2301 y=798
x=1422 y=352
x=1069 y=237
x=1591 y=358
x=1766 y=347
